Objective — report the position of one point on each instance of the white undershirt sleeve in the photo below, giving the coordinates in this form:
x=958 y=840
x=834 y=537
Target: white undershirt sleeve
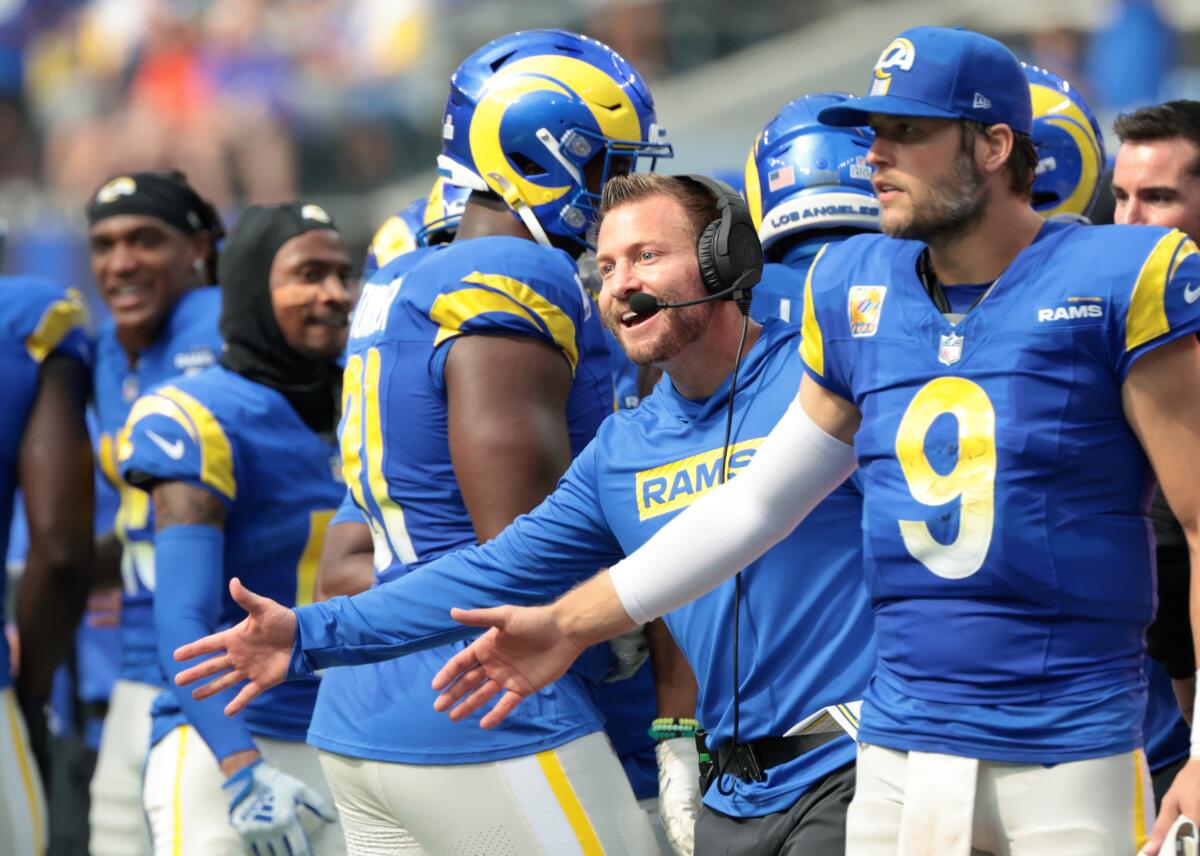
x=796 y=467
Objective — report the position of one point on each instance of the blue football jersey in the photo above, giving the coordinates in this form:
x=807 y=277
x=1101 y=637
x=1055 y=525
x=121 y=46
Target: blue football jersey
x=280 y=484
x=1008 y=554
x=1168 y=738
x=37 y=318
x=397 y=466
x=779 y=294
x=189 y=343
x=805 y=634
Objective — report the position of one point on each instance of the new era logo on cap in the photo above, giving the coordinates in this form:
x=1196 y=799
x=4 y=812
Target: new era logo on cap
x=981 y=102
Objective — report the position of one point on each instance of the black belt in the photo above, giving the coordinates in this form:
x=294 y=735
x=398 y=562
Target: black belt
x=750 y=761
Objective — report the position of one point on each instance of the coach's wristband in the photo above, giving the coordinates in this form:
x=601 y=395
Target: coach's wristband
x=667 y=727
x=1195 y=753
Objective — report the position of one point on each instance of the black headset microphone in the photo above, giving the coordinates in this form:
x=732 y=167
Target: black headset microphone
x=644 y=305
x=731 y=262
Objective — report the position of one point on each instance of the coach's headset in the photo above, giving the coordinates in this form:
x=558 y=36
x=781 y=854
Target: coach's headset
x=728 y=251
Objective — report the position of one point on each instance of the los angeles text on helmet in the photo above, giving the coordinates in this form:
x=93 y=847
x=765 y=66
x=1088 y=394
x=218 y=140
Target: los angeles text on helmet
x=824 y=211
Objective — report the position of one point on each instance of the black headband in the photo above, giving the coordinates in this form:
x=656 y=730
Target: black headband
x=165 y=196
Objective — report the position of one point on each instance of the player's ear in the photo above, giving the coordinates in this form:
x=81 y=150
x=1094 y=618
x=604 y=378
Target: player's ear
x=997 y=143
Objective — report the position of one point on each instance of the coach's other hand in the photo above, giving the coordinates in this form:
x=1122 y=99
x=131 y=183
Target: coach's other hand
x=255 y=650
x=1182 y=798
x=525 y=649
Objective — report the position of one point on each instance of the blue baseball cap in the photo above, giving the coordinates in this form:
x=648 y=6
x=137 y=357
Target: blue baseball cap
x=942 y=73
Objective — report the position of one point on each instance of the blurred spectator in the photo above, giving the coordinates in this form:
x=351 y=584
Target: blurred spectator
x=1129 y=57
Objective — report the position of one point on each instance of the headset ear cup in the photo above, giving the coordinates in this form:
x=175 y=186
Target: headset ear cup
x=706 y=254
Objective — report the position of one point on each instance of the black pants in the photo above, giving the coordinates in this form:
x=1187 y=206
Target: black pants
x=1162 y=779
x=815 y=824
x=72 y=763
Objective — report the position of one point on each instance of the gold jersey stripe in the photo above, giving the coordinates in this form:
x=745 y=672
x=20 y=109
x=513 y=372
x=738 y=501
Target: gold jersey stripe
x=812 y=345
x=503 y=294
x=1147 y=318
x=59 y=319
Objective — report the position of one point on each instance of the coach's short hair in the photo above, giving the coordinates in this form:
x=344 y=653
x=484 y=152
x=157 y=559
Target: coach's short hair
x=695 y=198
x=1162 y=122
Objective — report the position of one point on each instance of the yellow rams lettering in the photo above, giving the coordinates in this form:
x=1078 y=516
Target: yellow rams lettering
x=677 y=485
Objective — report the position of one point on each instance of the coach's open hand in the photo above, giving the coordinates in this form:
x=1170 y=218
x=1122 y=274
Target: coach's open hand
x=525 y=649
x=255 y=650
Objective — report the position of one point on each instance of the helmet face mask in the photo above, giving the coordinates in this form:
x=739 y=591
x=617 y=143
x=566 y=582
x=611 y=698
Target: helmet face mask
x=543 y=119
x=803 y=176
x=1070 y=147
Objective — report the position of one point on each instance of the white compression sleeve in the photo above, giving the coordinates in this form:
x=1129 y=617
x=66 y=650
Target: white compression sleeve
x=796 y=467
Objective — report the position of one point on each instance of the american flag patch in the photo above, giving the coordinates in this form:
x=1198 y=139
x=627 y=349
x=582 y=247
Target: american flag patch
x=780 y=178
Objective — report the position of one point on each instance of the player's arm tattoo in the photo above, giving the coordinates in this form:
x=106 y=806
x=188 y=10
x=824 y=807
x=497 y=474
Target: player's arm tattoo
x=179 y=504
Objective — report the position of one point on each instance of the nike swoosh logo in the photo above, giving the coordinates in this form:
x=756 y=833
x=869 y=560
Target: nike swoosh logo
x=1190 y=294
x=174 y=451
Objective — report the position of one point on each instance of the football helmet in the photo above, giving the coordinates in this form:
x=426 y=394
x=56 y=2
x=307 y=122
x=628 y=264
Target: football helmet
x=543 y=118
x=397 y=236
x=803 y=175
x=443 y=212
x=425 y=221
x=1070 y=147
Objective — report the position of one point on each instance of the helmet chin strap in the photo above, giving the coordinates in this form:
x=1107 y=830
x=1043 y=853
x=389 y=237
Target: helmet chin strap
x=512 y=197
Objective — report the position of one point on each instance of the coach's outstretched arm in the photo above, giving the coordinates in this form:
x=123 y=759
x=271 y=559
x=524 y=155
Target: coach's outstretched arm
x=806 y=456
x=1160 y=402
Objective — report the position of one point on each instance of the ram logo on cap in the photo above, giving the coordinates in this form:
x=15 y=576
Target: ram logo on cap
x=315 y=212
x=115 y=189
x=899 y=54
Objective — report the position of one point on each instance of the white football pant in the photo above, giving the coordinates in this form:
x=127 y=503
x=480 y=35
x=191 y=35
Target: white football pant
x=928 y=804
x=571 y=800
x=189 y=813
x=118 y=824
x=22 y=800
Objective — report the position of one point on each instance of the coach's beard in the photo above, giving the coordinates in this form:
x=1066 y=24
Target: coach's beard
x=682 y=327
x=947 y=213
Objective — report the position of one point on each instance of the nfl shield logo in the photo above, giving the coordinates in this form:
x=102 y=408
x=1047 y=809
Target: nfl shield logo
x=950 y=351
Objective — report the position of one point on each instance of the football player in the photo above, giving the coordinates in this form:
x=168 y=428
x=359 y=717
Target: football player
x=1157 y=182
x=240 y=461
x=475 y=371
x=1007 y=382
x=153 y=249
x=45 y=451
x=807 y=185
x=1071 y=158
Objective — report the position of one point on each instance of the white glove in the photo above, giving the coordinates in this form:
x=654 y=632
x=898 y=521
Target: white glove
x=264 y=808
x=679 y=791
x=1181 y=838
x=629 y=651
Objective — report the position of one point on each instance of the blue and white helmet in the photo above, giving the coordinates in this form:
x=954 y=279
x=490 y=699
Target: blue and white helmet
x=425 y=221
x=443 y=212
x=803 y=175
x=397 y=236
x=533 y=115
x=1070 y=147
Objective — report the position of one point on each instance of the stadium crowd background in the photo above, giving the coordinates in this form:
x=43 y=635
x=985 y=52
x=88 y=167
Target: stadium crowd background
x=260 y=101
